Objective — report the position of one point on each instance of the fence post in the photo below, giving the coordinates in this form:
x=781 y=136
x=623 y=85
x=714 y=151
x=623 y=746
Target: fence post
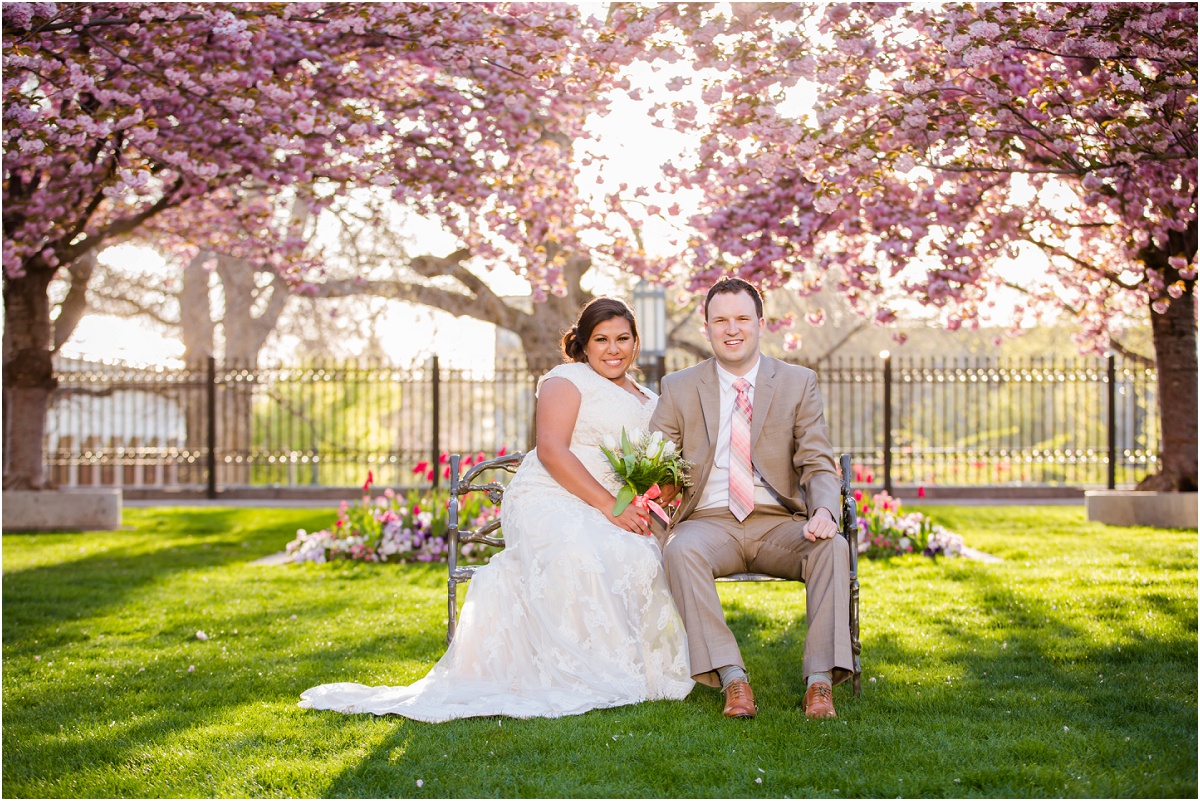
x=212 y=428
x=1112 y=420
x=436 y=451
x=887 y=421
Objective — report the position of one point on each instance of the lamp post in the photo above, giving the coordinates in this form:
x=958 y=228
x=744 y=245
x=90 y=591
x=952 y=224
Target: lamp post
x=650 y=308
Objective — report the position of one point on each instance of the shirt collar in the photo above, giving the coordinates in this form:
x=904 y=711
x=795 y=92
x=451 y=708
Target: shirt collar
x=727 y=378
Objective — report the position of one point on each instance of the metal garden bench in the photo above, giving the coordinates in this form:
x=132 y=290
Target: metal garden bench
x=489 y=534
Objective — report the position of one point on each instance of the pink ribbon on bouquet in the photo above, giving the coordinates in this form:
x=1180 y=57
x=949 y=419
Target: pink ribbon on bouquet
x=646 y=503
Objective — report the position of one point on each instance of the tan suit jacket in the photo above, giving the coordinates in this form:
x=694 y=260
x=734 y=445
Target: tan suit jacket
x=789 y=440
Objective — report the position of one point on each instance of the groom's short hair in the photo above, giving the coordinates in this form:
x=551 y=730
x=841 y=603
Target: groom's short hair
x=732 y=286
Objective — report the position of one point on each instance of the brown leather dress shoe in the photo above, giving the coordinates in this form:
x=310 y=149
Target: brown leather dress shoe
x=818 y=701
x=739 y=700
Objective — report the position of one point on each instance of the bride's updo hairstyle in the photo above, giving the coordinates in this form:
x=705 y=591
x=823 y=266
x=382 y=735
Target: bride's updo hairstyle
x=575 y=340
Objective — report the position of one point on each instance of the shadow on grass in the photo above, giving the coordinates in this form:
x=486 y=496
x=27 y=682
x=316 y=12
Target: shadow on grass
x=122 y=625
x=38 y=598
x=165 y=701
x=141 y=685
x=631 y=751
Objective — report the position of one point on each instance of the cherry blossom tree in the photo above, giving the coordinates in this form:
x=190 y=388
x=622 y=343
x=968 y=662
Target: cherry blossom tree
x=944 y=144
x=188 y=115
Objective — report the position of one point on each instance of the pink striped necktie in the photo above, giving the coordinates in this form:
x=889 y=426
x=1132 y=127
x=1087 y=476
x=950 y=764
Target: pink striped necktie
x=741 y=478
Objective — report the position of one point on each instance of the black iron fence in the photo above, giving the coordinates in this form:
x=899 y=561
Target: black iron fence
x=968 y=422
x=905 y=422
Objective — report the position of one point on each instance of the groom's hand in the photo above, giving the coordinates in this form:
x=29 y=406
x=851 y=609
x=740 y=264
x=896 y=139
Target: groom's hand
x=820 y=526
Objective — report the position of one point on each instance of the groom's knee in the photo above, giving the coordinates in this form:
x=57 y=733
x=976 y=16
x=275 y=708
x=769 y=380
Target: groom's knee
x=675 y=550
x=681 y=552
x=835 y=549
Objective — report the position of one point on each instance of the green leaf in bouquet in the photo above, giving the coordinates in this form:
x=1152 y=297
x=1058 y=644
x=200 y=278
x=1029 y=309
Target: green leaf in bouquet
x=612 y=459
x=624 y=498
x=630 y=464
x=626 y=445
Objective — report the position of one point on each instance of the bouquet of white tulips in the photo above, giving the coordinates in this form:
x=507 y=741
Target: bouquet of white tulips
x=644 y=461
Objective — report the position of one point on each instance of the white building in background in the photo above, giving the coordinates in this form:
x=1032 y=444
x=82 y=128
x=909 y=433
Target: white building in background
x=95 y=429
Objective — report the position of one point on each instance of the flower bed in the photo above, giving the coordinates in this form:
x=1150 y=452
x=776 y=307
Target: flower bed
x=412 y=528
x=391 y=528
x=884 y=531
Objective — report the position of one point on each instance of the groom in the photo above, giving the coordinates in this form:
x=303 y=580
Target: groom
x=765 y=499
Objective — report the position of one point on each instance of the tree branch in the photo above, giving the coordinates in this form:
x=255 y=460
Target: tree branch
x=456 y=303
x=832 y=349
x=75 y=304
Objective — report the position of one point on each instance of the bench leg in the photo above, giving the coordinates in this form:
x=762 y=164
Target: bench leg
x=855 y=645
x=452 y=609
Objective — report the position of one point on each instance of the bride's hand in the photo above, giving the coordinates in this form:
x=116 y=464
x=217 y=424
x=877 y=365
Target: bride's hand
x=669 y=491
x=632 y=519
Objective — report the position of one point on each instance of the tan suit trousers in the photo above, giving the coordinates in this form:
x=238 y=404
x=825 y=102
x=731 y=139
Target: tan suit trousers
x=712 y=543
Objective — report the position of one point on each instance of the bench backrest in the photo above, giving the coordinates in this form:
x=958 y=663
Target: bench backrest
x=488 y=534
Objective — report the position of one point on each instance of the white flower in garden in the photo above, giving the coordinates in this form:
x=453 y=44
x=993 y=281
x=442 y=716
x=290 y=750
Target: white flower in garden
x=200 y=635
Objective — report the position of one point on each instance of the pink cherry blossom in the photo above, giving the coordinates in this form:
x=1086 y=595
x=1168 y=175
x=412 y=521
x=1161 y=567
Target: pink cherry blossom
x=942 y=135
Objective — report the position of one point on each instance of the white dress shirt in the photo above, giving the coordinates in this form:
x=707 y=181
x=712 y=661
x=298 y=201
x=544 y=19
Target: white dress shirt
x=716 y=490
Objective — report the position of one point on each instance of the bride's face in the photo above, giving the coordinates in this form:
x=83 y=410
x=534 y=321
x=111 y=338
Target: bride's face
x=612 y=348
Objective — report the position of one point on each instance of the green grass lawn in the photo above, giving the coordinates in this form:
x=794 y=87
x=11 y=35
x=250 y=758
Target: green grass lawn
x=1069 y=669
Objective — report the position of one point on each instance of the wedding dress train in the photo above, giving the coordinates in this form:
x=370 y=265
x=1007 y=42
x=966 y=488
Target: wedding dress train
x=574 y=614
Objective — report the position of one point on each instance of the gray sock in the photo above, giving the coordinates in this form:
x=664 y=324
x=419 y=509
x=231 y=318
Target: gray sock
x=729 y=673
x=825 y=677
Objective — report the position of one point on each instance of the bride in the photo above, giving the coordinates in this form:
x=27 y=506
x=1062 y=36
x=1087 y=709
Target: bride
x=575 y=613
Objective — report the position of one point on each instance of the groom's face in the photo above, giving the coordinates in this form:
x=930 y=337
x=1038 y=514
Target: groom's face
x=734 y=329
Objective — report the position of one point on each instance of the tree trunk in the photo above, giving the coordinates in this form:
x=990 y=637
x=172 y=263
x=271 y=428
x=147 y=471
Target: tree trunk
x=197 y=331
x=195 y=313
x=541 y=332
x=28 y=375
x=1175 y=353
x=245 y=335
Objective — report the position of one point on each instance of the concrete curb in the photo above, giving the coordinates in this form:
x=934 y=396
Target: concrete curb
x=1133 y=508
x=62 y=510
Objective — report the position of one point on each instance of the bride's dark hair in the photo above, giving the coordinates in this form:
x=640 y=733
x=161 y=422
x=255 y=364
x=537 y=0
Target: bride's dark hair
x=597 y=311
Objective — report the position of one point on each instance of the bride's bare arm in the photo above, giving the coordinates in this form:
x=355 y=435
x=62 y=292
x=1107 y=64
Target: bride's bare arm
x=557 y=409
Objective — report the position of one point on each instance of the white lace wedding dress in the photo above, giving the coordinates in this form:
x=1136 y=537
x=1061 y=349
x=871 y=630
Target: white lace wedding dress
x=574 y=614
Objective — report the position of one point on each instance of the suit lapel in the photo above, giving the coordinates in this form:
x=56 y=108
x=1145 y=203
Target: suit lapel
x=708 y=396
x=709 y=390
x=764 y=391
